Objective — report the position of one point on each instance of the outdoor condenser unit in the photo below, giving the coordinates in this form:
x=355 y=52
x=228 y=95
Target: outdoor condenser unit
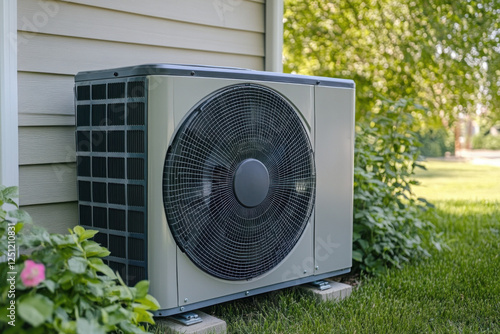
x=216 y=183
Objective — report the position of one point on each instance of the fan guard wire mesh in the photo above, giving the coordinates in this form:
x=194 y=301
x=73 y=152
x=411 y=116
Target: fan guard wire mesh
x=220 y=235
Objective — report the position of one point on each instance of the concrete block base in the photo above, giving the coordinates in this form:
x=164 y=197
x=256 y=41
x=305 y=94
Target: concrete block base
x=209 y=325
x=337 y=292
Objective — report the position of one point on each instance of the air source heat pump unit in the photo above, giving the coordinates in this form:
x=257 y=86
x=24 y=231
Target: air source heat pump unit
x=216 y=183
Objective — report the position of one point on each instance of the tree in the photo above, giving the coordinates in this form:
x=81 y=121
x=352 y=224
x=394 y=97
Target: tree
x=443 y=53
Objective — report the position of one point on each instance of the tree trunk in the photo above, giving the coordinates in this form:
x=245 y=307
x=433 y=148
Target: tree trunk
x=457 y=136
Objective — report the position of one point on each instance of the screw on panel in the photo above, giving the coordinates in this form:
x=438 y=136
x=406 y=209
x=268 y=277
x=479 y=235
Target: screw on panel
x=182 y=308
x=317 y=267
x=247 y=293
x=185 y=300
x=305 y=271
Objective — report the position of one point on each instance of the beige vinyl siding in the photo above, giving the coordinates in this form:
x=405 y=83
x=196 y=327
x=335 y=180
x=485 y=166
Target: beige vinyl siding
x=232 y=14
x=66 y=55
x=54 y=217
x=47 y=183
x=57 y=39
x=56 y=142
x=73 y=21
x=39 y=120
x=44 y=95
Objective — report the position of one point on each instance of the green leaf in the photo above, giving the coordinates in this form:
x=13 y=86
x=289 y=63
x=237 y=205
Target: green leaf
x=122 y=291
x=35 y=309
x=115 y=315
x=111 y=308
x=68 y=327
x=364 y=244
x=62 y=240
x=130 y=328
x=149 y=302
x=20 y=215
x=18 y=227
x=78 y=230
x=87 y=234
x=143 y=315
x=141 y=288
x=77 y=265
x=96 y=289
x=85 y=326
x=357 y=256
x=91 y=248
x=10 y=192
x=104 y=316
x=98 y=265
x=50 y=284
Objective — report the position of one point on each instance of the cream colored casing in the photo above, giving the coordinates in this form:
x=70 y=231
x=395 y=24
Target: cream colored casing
x=325 y=247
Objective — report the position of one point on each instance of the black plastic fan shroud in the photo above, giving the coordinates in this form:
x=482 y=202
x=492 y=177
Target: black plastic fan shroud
x=239 y=182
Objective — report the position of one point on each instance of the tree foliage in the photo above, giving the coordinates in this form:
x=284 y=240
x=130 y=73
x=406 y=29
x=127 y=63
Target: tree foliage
x=398 y=52
x=388 y=230
x=445 y=54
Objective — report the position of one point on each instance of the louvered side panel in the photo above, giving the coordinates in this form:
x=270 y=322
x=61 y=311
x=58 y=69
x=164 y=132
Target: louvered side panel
x=111 y=119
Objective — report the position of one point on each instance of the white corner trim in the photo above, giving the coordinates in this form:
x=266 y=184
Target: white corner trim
x=274 y=36
x=9 y=142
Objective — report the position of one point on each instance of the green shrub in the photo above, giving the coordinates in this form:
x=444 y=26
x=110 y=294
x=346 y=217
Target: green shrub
x=387 y=227
x=486 y=142
x=436 y=142
x=60 y=284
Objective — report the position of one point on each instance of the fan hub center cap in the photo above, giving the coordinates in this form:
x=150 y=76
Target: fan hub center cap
x=251 y=182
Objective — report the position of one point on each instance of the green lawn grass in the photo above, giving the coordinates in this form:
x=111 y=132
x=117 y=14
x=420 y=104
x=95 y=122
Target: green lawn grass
x=456 y=290
x=446 y=180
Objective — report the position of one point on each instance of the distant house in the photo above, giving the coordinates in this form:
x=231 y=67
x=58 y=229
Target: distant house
x=44 y=43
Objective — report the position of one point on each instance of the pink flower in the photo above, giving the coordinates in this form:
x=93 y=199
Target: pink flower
x=33 y=273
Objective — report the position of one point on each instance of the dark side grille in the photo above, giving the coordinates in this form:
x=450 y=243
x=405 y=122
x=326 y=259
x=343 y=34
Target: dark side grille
x=111 y=141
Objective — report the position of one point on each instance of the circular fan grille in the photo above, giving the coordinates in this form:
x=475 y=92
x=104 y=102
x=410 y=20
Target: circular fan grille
x=239 y=182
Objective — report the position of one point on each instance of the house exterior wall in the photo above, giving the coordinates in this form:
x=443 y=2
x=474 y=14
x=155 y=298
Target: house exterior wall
x=57 y=39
